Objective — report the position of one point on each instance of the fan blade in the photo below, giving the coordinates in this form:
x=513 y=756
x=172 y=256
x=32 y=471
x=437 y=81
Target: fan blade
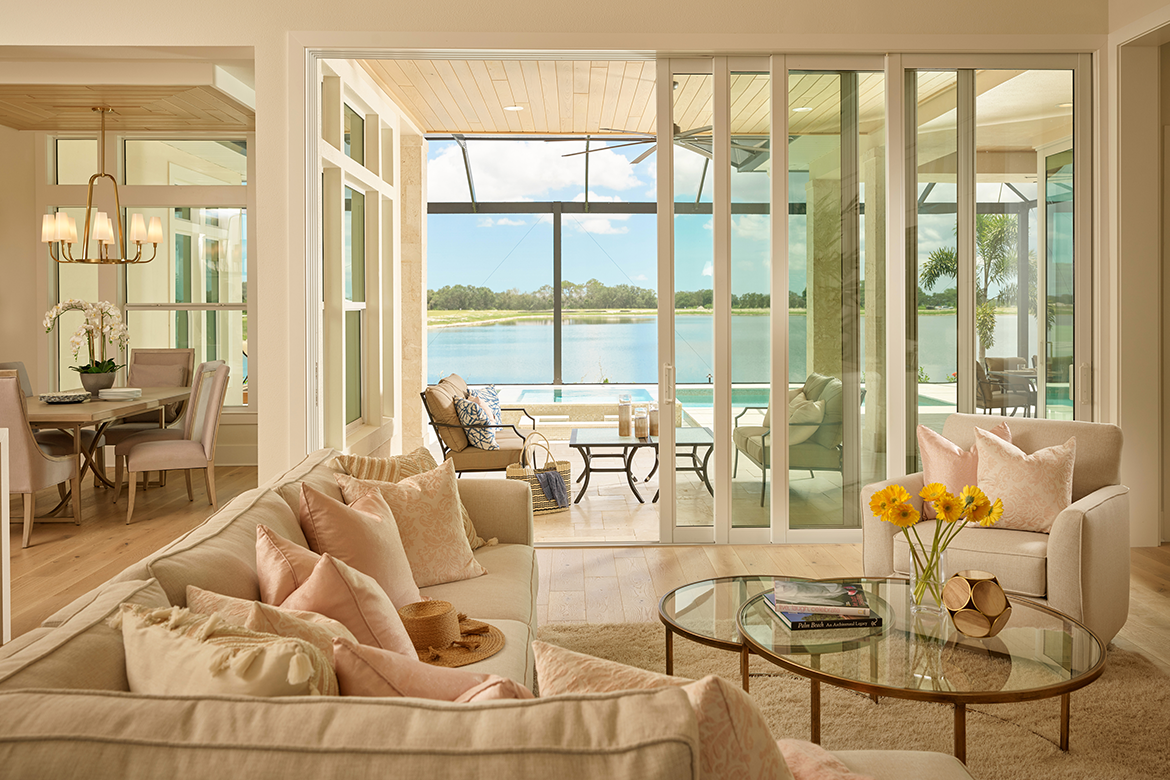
x=628 y=132
x=694 y=131
x=644 y=155
x=602 y=148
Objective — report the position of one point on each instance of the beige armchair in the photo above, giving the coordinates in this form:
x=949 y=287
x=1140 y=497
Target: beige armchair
x=439 y=401
x=1081 y=568
x=31 y=468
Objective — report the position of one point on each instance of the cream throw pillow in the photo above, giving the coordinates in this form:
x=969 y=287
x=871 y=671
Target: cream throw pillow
x=734 y=741
x=267 y=619
x=397 y=468
x=804 y=417
x=174 y=652
x=1035 y=488
x=426 y=507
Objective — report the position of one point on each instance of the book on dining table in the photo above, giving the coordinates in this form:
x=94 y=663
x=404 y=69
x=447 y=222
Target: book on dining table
x=823 y=598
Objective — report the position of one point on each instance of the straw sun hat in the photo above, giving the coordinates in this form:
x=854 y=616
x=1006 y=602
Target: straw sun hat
x=443 y=637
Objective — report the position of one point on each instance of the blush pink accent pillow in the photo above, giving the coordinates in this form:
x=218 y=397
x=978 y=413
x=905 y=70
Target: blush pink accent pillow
x=364 y=535
x=282 y=566
x=356 y=601
x=426 y=507
x=1035 y=488
x=809 y=761
x=734 y=741
x=369 y=671
x=944 y=461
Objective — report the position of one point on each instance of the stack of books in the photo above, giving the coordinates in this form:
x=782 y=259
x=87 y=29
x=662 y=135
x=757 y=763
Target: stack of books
x=120 y=393
x=805 y=606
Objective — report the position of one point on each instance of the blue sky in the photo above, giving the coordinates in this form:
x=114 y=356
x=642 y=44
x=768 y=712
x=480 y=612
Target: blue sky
x=515 y=251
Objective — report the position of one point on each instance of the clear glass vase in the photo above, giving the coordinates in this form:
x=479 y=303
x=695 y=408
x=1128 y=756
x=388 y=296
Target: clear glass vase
x=927 y=577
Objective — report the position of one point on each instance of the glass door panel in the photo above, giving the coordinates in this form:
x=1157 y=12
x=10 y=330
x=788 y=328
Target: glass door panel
x=751 y=281
x=694 y=260
x=933 y=323
x=1059 y=359
x=836 y=172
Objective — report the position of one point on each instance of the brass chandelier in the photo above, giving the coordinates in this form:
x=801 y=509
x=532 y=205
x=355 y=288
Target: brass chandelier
x=59 y=230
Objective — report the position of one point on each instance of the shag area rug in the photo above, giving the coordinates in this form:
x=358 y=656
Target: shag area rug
x=1120 y=724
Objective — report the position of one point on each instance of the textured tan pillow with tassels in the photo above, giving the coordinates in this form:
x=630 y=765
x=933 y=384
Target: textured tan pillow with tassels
x=397 y=468
x=174 y=651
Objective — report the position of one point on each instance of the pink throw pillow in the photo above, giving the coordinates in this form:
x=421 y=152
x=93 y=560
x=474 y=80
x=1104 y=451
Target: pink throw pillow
x=809 y=761
x=282 y=566
x=734 y=741
x=946 y=462
x=355 y=600
x=369 y=671
x=426 y=507
x=364 y=535
x=1035 y=488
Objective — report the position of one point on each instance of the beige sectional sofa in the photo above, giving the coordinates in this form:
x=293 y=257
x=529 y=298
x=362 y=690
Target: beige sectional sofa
x=66 y=709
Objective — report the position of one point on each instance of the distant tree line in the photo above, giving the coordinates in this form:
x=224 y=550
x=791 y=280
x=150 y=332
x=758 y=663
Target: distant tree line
x=595 y=295
x=590 y=295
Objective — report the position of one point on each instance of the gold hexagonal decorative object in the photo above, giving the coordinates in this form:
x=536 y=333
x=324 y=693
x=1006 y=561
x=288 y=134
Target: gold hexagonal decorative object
x=978 y=606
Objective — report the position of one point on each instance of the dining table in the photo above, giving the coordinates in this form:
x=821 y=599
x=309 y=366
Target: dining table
x=100 y=414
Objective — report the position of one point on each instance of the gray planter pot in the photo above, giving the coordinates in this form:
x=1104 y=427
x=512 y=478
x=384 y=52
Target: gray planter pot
x=95 y=382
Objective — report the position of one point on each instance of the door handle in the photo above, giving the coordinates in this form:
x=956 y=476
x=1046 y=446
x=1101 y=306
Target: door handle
x=667 y=383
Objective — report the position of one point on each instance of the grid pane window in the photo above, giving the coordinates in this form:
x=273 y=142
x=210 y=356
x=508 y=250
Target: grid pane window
x=353 y=141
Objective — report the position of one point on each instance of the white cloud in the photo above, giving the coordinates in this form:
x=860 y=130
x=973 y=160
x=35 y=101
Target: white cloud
x=487 y=222
x=751 y=226
x=708 y=269
x=523 y=170
x=598 y=224
x=640 y=278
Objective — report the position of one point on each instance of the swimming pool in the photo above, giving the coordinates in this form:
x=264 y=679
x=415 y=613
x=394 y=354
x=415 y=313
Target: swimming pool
x=581 y=395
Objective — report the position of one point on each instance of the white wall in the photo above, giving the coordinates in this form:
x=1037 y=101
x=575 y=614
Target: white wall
x=22 y=305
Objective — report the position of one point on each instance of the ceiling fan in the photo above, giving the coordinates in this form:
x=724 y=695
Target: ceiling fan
x=745 y=155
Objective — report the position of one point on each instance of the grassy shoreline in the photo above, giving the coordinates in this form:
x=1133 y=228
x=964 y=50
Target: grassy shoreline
x=454 y=319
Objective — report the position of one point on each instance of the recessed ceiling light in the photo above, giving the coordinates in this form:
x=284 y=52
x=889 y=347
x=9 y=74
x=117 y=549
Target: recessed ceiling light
x=1064 y=105
x=801 y=109
x=513 y=108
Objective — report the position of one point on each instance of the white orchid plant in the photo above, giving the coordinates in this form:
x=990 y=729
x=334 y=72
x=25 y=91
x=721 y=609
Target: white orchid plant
x=103 y=323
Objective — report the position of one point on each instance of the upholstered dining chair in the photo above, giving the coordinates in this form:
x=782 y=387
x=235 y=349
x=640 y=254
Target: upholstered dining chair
x=31 y=468
x=154 y=368
x=1081 y=567
x=991 y=394
x=54 y=442
x=194 y=450
x=144 y=432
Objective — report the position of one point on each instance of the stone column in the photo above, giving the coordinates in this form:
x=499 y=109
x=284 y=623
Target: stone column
x=412 y=296
x=873 y=176
x=823 y=264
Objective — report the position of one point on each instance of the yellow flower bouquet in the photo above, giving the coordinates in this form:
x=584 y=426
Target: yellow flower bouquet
x=892 y=504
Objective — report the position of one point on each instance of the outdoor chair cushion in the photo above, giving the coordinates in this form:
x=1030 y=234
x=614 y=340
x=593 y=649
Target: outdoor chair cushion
x=749 y=439
x=441 y=403
x=472 y=414
x=472 y=459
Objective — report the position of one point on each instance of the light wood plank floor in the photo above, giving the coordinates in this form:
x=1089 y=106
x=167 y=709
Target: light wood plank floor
x=596 y=585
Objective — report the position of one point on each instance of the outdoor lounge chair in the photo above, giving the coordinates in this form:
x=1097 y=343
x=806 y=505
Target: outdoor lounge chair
x=820 y=452
x=439 y=401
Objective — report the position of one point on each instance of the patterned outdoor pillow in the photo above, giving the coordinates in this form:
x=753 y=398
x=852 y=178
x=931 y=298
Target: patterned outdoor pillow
x=472 y=414
x=491 y=396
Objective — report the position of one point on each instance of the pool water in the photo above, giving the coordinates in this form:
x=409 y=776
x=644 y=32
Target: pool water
x=581 y=395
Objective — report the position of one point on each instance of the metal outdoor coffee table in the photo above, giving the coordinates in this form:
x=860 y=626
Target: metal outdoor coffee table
x=604 y=443
x=1040 y=654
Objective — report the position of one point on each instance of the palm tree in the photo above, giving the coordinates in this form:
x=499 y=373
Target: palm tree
x=995 y=266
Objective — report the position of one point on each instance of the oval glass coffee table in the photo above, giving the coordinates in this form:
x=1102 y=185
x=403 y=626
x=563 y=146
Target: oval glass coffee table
x=1040 y=654
x=706 y=612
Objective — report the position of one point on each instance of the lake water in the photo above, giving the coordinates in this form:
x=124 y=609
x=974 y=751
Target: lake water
x=624 y=349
